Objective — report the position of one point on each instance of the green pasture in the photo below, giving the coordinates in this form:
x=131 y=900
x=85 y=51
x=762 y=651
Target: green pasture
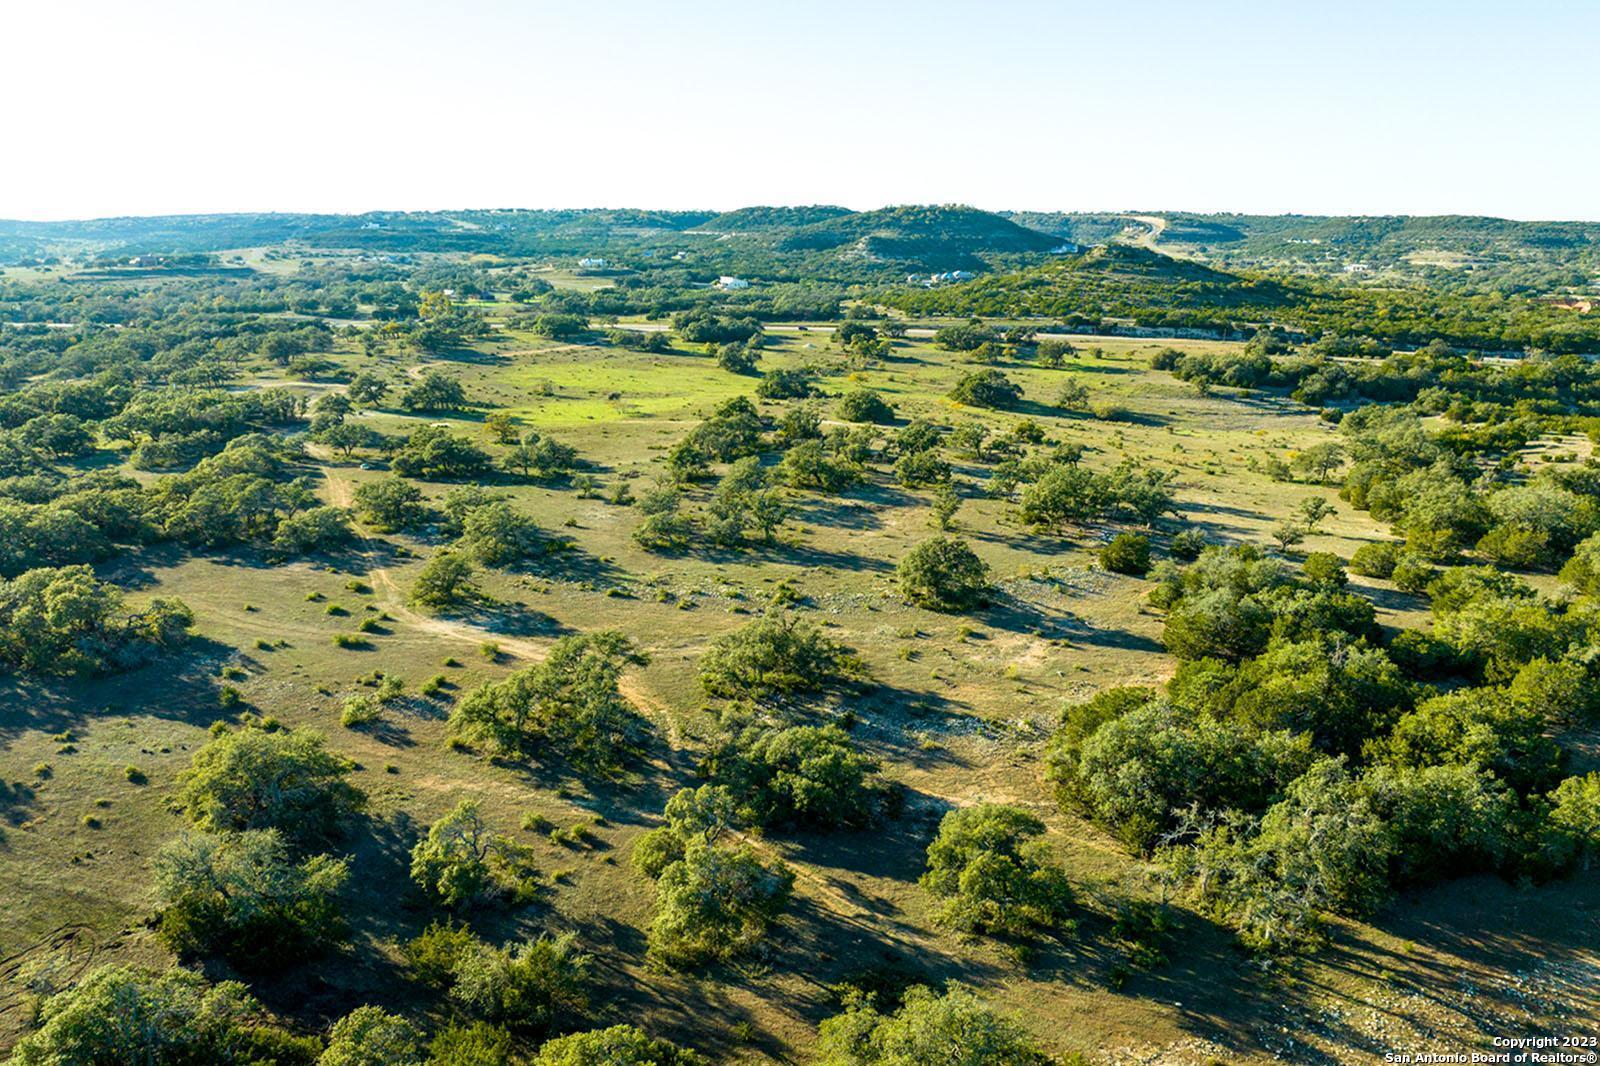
x=962 y=706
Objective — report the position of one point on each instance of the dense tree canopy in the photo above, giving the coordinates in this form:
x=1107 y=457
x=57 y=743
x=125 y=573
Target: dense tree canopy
x=987 y=388
x=284 y=780
x=620 y=1045
x=716 y=903
x=992 y=874
x=242 y=897
x=944 y=574
x=122 y=1014
x=954 y=1027
x=64 y=621
x=570 y=705
x=777 y=653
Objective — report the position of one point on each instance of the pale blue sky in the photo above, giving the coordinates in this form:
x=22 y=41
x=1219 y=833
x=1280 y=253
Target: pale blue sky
x=168 y=106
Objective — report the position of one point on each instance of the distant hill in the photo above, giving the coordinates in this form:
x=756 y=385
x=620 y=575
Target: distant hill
x=166 y=233
x=1301 y=235
x=1456 y=253
x=1383 y=237
x=933 y=238
x=491 y=231
x=1120 y=285
x=759 y=219
x=1077 y=228
x=1463 y=252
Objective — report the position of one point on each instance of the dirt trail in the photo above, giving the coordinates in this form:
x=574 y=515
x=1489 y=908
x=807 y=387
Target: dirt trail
x=341 y=494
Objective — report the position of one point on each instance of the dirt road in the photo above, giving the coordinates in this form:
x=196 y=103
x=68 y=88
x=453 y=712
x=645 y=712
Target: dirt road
x=341 y=494
x=393 y=600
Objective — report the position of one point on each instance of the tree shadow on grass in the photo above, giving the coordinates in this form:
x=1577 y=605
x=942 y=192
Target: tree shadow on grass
x=632 y=794
x=388 y=732
x=1012 y=613
x=1455 y=965
x=1215 y=985
x=136 y=569
x=892 y=718
x=180 y=686
x=1390 y=599
x=1081 y=632
x=1489 y=957
x=1098 y=368
x=786 y=552
x=836 y=514
x=1211 y=507
x=17 y=799
x=464 y=356
x=385 y=904
x=832 y=942
x=506 y=618
x=1022 y=540
x=811 y=556
x=1016 y=615
x=355 y=559
x=819 y=946
x=1128 y=417
x=881 y=493
x=610 y=940
x=571 y=563
x=892 y=849
x=319 y=991
x=678 y=1007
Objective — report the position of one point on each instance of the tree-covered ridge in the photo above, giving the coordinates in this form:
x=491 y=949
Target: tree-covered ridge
x=492 y=231
x=1456 y=253
x=1466 y=255
x=936 y=237
x=1380 y=235
x=1147 y=289
x=1080 y=228
x=750 y=219
x=915 y=232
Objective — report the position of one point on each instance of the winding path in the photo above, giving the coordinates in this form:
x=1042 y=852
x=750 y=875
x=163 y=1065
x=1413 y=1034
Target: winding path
x=341 y=494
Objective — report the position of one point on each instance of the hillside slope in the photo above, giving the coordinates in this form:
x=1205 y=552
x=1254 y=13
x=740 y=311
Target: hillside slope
x=1150 y=289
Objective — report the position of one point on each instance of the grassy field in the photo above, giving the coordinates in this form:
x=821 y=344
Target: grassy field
x=961 y=708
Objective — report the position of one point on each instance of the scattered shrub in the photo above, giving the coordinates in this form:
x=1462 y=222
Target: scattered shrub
x=1126 y=553
x=943 y=574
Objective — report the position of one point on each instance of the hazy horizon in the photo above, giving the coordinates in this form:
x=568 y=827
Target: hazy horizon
x=734 y=207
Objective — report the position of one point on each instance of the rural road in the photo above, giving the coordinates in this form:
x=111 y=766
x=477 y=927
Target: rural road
x=1151 y=237
x=341 y=494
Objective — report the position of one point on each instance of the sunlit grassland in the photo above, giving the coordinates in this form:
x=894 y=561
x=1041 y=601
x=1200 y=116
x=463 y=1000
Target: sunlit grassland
x=962 y=706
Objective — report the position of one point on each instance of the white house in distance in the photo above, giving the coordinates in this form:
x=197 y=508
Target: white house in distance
x=728 y=284
x=939 y=279
x=592 y=264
